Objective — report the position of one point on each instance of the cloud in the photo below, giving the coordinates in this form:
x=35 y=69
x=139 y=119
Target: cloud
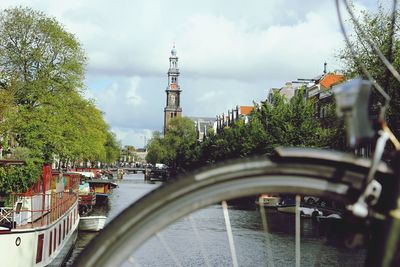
x=230 y=52
x=129 y=136
x=119 y=99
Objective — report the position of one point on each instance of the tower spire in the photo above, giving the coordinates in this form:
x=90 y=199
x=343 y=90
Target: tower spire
x=173 y=90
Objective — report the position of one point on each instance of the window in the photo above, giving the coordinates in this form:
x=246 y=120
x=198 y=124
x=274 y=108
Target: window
x=59 y=234
x=55 y=239
x=63 y=229
x=39 y=251
x=70 y=222
x=67 y=224
x=50 y=243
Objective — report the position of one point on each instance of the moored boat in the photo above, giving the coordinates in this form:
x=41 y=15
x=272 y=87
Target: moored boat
x=38 y=227
x=87 y=198
x=304 y=211
x=268 y=201
x=92 y=223
x=102 y=188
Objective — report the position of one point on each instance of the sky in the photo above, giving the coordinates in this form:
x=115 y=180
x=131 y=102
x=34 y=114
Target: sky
x=231 y=52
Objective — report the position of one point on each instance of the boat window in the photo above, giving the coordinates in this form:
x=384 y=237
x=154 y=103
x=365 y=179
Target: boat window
x=67 y=224
x=70 y=222
x=55 y=239
x=63 y=229
x=18 y=208
x=59 y=234
x=39 y=251
x=50 y=243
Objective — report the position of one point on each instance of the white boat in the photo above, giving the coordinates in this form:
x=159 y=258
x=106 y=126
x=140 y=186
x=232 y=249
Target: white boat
x=40 y=226
x=304 y=211
x=92 y=223
x=268 y=201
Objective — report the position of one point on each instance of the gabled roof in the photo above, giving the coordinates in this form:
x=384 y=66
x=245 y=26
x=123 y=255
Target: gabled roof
x=245 y=110
x=331 y=79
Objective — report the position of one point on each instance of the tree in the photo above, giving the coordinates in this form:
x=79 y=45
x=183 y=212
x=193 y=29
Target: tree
x=112 y=148
x=37 y=56
x=156 y=151
x=180 y=141
x=42 y=69
x=377 y=26
x=271 y=124
x=178 y=148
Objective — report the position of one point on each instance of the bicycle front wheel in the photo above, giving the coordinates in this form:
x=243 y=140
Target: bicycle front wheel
x=330 y=176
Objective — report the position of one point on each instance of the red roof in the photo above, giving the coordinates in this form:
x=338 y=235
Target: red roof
x=245 y=110
x=331 y=79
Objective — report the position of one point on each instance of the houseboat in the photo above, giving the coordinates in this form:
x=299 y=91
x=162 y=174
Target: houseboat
x=87 y=198
x=102 y=188
x=39 y=227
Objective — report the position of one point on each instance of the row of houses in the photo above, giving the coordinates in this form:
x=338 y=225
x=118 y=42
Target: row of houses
x=318 y=88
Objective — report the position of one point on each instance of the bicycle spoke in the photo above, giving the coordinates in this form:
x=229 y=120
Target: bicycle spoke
x=168 y=249
x=202 y=250
x=266 y=236
x=297 y=231
x=230 y=235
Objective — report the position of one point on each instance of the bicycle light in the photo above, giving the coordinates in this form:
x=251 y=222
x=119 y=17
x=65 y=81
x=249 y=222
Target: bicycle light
x=352 y=100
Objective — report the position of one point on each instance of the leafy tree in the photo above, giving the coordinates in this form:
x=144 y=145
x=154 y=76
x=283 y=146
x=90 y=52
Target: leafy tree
x=156 y=151
x=377 y=26
x=271 y=124
x=37 y=56
x=180 y=141
x=41 y=65
x=112 y=148
x=41 y=84
x=178 y=148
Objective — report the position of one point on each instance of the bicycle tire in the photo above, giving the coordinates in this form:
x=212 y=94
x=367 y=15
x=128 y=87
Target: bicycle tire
x=289 y=173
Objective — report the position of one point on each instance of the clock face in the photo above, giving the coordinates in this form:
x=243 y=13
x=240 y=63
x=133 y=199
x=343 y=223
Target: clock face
x=172 y=100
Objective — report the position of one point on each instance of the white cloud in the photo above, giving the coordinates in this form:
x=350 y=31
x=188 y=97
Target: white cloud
x=230 y=52
x=119 y=100
x=128 y=136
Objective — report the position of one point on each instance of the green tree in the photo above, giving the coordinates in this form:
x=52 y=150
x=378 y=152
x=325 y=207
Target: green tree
x=41 y=66
x=377 y=26
x=271 y=124
x=156 y=151
x=112 y=148
x=42 y=70
x=180 y=141
x=178 y=148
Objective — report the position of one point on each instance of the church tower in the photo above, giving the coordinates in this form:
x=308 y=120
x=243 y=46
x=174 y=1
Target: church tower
x=172 y=108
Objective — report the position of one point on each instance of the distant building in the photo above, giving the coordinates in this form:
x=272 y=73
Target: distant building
x=173 y=91
x=203 y=125
x=288 y=91
x=323 y=83
x=226 y=120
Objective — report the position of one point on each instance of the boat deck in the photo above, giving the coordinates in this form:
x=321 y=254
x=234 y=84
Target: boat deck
x=57 y=210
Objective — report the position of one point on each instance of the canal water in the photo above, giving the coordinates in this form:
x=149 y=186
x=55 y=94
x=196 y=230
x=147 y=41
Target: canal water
x=202 y=240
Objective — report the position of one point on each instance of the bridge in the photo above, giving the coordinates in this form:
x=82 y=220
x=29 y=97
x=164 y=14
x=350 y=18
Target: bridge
x=149 y=173
x=130 y=169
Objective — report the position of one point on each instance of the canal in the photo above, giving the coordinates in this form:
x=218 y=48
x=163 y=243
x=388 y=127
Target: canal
x=202 y=240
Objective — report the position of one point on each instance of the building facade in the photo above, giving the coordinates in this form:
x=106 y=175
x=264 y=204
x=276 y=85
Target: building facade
x=172 y=108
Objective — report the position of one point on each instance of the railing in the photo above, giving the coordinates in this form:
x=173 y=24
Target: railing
x=26 y=213
x=6 y=215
